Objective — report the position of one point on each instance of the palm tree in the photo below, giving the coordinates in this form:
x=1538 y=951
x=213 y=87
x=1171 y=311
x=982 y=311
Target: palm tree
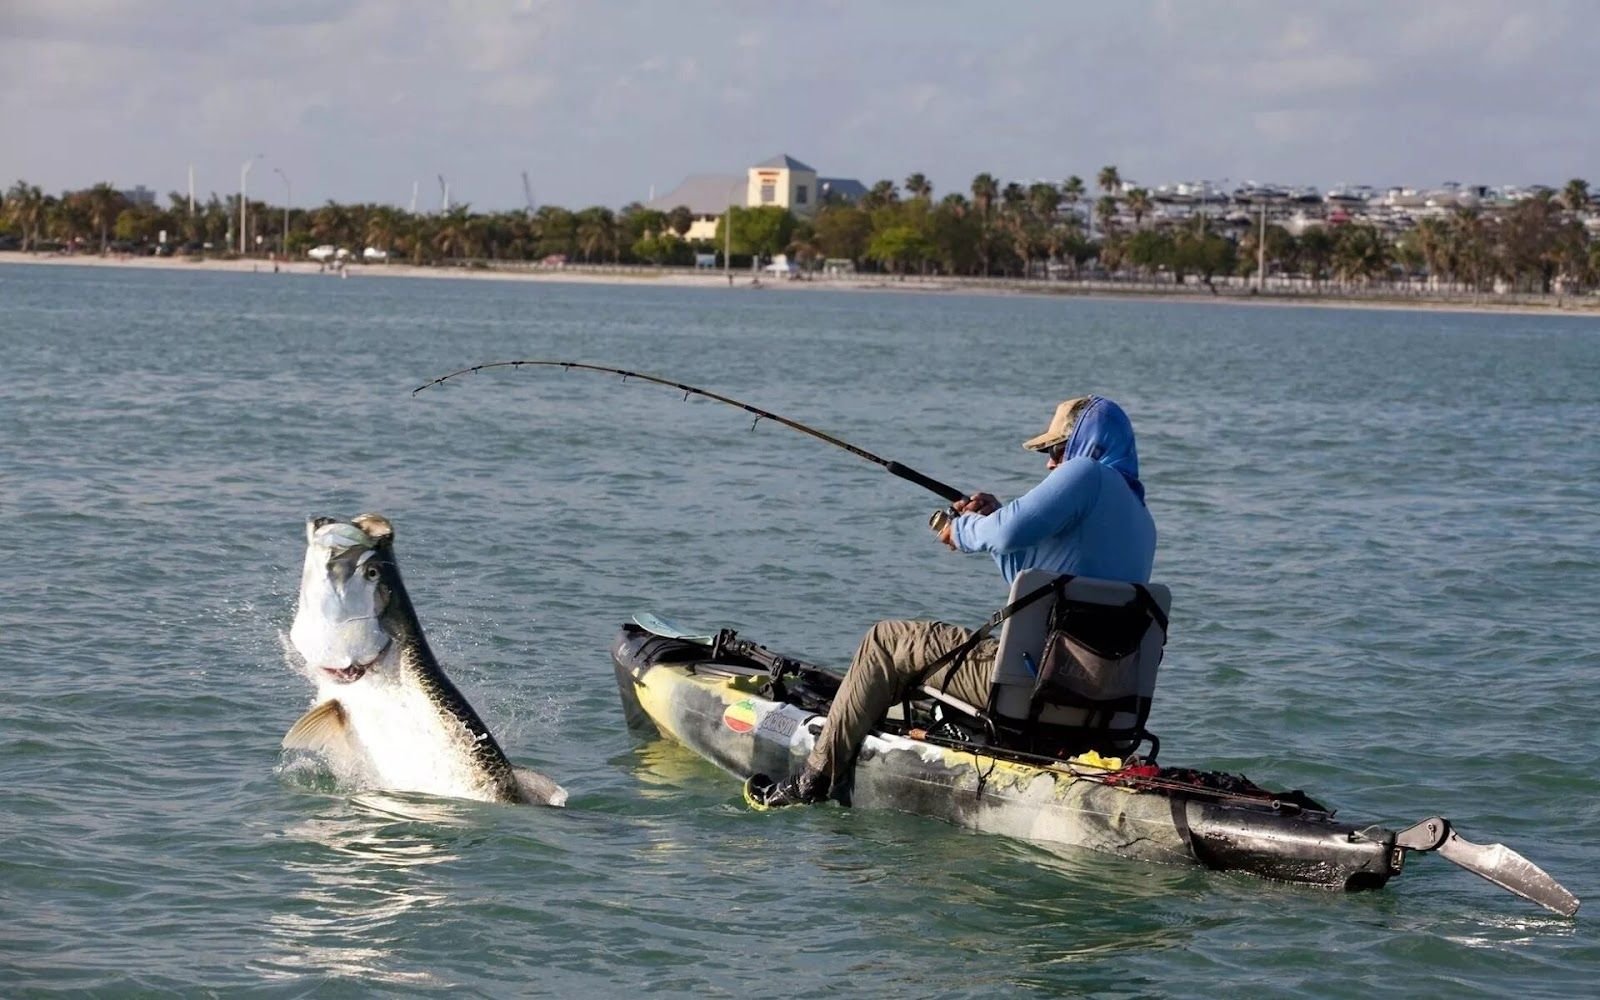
x=919 y=187
x=1432 y=240
x=681 y=220
x=416 y=239
x=1529 y=235
x=331 y=223
x=1139 y=204
x=25 y=207
x=881 y=195
x=104 y=203
x=1072 y=192
x=383 y=228
x=1105 y=210
x=1109 y=181
x=984 y=190
x=1470 y=248
x=68 y=218
x=597 y=233
x=1315 y=252
x=1045 y=200
x=454 y=236
x=558 y=231
x=1575 y=196
x=1361 y=254
x=803 y=245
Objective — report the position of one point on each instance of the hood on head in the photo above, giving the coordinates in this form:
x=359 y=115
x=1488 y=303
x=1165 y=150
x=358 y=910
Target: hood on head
x=338 y=624
x=1096 y=428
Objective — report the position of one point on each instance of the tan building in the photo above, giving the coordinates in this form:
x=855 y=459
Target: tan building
x=781 y=182
x=785 y=182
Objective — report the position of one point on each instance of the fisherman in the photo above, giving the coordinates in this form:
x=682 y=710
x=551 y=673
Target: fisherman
x=1087 y=517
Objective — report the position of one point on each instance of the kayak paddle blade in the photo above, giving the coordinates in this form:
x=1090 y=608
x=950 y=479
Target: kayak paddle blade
x=1495 y=862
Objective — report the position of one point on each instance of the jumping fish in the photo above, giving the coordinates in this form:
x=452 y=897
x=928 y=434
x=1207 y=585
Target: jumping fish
x=383 y=704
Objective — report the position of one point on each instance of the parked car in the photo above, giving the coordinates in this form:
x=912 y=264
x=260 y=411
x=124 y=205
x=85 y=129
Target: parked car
x=323 y=253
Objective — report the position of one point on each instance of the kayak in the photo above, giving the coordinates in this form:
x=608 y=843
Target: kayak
x=749 y=710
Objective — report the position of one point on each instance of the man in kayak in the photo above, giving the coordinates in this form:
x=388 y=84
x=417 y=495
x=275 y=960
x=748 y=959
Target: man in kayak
x=1087 y=517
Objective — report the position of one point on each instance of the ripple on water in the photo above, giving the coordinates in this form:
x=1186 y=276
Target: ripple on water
x=1376 y=525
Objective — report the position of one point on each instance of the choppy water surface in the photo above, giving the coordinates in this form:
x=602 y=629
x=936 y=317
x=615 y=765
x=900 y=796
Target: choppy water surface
x=1380 y=530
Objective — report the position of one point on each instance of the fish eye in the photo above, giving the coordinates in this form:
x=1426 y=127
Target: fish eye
x=371 y=572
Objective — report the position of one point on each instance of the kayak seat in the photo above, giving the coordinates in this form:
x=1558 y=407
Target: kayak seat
x=1075 y=669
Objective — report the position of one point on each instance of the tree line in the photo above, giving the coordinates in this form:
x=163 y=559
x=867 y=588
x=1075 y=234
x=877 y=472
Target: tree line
x=994 y=229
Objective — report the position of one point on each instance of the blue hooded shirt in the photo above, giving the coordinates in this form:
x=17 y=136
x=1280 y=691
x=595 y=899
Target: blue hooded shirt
x=1087 y=517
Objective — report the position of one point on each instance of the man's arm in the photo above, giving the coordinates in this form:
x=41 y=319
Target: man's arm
x=1059 y=501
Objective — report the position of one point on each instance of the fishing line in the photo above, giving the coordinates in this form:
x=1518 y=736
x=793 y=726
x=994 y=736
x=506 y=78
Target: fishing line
x=911 y=475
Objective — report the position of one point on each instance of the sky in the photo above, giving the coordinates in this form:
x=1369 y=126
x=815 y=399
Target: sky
x=603 y=101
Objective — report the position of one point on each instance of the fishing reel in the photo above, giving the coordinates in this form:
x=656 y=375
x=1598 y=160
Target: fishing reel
x=940 y=518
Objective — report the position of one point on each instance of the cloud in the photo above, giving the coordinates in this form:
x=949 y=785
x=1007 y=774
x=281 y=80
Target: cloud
x=356 y=99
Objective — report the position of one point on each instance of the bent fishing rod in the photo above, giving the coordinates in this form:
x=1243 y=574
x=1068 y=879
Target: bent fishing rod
x=949 y=493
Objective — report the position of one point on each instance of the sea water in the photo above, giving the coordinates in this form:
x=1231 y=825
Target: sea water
x=1380 y=530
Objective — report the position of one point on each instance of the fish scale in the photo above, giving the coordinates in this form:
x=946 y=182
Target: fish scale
x=417 y=663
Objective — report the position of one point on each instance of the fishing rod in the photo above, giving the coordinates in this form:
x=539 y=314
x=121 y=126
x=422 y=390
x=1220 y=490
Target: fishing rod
x=949 y=493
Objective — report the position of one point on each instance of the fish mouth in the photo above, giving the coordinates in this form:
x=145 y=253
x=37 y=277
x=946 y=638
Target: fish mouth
x=355 y=671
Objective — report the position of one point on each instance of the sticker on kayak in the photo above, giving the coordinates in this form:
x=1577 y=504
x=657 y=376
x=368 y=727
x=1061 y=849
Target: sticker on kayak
x=740 y=716
x=781 y=725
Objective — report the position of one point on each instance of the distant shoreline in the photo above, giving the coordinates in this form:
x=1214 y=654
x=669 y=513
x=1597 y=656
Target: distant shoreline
x=1582 y=306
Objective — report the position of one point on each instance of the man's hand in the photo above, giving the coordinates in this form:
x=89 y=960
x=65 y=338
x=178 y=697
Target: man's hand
x=979 y=503
x=946 y=532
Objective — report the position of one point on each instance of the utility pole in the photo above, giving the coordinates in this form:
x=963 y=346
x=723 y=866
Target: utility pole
x=244 y=172
x=444 y=196
x=527 y=193
x=288 y=196
x=414 y=197
x=191 y=189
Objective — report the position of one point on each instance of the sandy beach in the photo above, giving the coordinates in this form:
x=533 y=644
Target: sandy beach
x=1583 y=306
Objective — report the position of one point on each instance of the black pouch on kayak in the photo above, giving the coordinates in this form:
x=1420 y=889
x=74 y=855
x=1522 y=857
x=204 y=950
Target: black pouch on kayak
x=1097 y=672
x=1074 y=667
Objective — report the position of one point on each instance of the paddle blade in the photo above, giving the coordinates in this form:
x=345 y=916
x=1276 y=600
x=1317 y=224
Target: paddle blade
x=1510 y=871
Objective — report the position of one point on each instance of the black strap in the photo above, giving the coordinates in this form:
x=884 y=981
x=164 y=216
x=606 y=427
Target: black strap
x=994 y=621
x=1152 y=608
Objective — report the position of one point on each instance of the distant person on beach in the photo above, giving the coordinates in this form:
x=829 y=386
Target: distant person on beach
x=1087 y=517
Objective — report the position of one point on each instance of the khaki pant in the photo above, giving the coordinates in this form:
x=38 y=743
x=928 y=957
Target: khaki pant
x=891 y=656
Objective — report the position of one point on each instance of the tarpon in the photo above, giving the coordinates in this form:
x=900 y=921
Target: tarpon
x=383 y=703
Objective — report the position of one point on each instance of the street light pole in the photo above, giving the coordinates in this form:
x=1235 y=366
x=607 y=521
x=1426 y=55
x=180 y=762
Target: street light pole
x=288 y=196
x=244 y=172
x=1261 y=251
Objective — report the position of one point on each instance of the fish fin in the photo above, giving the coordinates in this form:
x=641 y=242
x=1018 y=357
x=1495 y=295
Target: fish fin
x=376 y=526
x=324 y=729
x=538 y=789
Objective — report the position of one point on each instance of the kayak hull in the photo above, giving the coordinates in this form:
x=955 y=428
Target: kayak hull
x=722 y=716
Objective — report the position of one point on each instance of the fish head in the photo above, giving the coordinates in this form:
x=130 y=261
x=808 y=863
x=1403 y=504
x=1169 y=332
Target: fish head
x=346 y=587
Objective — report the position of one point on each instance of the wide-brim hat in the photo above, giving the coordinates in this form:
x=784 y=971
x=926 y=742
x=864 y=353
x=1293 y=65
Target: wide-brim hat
x=1061 y=425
